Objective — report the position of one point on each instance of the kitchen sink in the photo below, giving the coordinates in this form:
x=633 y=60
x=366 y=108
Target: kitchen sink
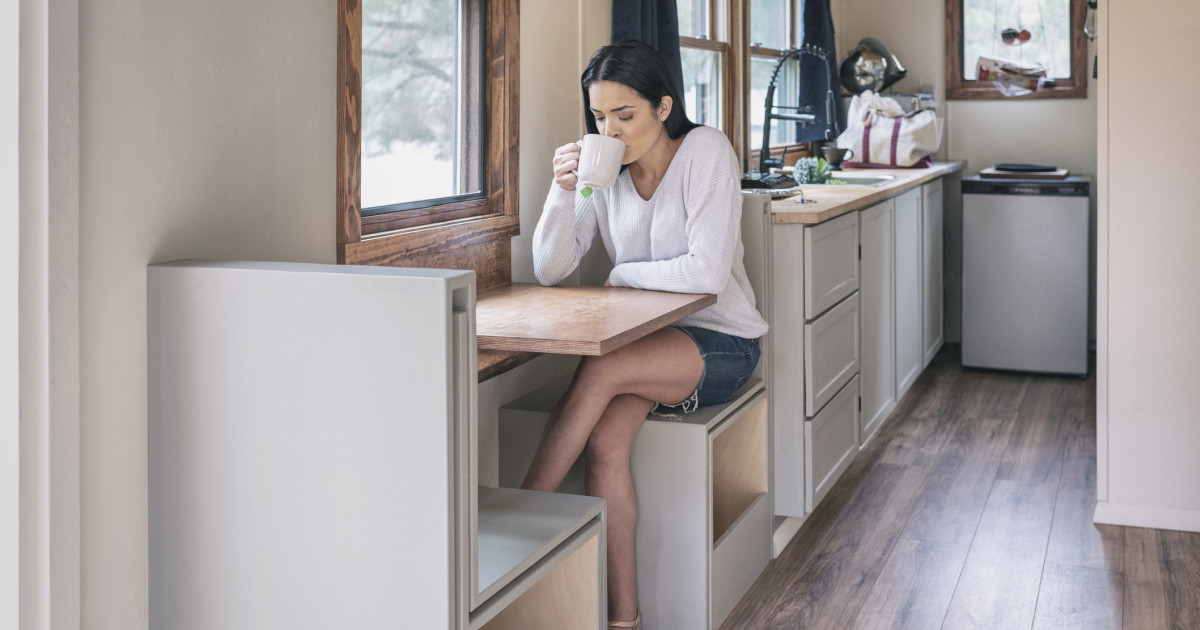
x=854 y=179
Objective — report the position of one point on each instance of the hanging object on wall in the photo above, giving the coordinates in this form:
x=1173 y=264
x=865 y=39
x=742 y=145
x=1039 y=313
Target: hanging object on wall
x=1089 y=31
x=1021 y=25
x=1011 y=36
x=870 y=66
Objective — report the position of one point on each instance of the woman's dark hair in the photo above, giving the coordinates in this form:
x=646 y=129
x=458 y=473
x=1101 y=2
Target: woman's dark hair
x=632 y=63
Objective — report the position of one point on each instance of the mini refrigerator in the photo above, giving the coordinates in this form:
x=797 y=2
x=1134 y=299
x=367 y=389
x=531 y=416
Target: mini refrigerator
x=1025 y=274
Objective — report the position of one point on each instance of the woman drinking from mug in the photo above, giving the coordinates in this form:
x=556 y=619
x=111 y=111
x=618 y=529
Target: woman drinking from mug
x=670 y=222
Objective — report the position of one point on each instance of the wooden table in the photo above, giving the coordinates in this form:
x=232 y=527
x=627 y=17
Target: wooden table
x=515 y=322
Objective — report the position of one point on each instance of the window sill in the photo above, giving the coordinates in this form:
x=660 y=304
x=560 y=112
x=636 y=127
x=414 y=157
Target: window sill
x=446 y=245
x=974 y=91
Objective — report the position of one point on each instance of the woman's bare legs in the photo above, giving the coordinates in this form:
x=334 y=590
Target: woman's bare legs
x=603 y=410
x=608 y=476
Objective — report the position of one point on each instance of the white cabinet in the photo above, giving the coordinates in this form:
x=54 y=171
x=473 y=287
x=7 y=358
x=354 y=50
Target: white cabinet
x=831 y=438
x=831 y=353
x=907 y=255
x=877 y=316
x=830 y=263
x=931 y=269
x=815 y=339
x=855 y=312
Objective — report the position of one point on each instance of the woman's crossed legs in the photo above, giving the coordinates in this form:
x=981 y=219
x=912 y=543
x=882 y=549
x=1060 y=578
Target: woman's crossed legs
x=599 y=416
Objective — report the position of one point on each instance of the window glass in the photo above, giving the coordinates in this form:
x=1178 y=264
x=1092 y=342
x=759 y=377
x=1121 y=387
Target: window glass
x=1027 y=31
x=419 y=133
x=787 y=93
x=702 y=85
x=769 y=24
x=693 y=18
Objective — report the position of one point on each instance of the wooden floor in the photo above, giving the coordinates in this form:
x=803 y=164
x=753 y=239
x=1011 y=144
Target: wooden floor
x=972 y=508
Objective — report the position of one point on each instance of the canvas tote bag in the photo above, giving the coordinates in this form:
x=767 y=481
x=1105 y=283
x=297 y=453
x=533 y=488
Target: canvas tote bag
x=883 y=136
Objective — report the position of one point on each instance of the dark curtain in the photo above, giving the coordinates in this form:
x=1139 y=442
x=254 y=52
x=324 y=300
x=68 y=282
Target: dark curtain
x=816 y=76
x=653 y=22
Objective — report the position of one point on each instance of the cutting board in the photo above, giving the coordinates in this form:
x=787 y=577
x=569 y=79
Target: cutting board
x=992 y=173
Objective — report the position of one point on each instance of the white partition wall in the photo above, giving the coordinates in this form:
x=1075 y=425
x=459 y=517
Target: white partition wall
x=1148 y=345
x=303 y=451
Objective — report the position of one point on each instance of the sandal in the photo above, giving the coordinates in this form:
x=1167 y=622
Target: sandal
x=636 y=624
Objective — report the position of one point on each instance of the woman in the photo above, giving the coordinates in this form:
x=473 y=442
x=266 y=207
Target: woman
x=671 y=222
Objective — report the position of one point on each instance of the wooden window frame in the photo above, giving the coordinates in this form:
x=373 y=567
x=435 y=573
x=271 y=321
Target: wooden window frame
x=472 y=234
x=961 y=89
x=730 y=47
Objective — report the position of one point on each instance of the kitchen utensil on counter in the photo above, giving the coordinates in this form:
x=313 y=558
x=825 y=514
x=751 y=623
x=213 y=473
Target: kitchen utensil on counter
x=835 y=155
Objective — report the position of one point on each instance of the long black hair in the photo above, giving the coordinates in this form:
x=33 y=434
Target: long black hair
x=632 y=63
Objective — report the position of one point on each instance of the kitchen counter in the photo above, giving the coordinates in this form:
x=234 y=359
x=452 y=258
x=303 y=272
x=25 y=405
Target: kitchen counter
x=834 y=201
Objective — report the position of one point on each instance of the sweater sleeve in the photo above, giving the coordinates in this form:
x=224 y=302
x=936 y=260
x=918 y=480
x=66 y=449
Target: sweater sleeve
x=712 y=202
x=563 y=235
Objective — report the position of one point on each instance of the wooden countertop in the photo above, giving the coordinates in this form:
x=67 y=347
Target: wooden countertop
x=530 y=319
x=834 y=201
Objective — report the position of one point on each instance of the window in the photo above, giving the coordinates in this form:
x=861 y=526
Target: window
x=1031 y=32
x=421 y=97
x=773 y=30
x=427 y=151
x=704 y=53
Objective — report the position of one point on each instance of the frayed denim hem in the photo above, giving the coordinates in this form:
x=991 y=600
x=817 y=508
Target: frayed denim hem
x=689 y=404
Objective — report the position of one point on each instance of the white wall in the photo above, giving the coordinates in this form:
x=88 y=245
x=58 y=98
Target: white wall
x=207 y=130
x=10 y=197
x=1148 y=355
x=1059 y=131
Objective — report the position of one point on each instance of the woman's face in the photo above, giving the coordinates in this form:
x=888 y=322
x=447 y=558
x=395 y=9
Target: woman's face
x=623 y=114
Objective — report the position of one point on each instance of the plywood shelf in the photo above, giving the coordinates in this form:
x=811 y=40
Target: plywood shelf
x=517 y=528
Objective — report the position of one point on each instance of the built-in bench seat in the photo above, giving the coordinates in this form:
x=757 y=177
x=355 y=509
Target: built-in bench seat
x=703 y=499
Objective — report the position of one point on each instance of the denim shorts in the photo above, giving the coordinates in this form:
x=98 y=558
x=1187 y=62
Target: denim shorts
x=728 y=363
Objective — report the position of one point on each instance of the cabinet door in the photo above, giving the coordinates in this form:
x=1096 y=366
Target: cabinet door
x=831 y=439
x=931 y=269
x=907 y=252
x=830 y=263
x=876 y=308
x=831 y=353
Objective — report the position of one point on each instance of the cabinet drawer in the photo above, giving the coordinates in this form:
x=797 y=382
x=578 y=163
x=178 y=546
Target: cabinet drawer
x=830 y=263
x=830 y=353
x=830 y=443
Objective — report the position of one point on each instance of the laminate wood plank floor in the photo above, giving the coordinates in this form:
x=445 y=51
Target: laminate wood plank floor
x=972 y=508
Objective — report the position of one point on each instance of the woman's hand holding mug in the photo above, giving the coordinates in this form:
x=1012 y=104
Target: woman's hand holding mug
x=595 y=162
x=566 y=160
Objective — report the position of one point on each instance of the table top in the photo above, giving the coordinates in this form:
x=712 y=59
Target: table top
x=575 y=320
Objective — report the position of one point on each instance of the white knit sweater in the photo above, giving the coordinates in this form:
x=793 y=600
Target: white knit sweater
x=686 y=238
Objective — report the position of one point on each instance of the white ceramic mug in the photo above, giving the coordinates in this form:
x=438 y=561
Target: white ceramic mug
x=599 y=161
